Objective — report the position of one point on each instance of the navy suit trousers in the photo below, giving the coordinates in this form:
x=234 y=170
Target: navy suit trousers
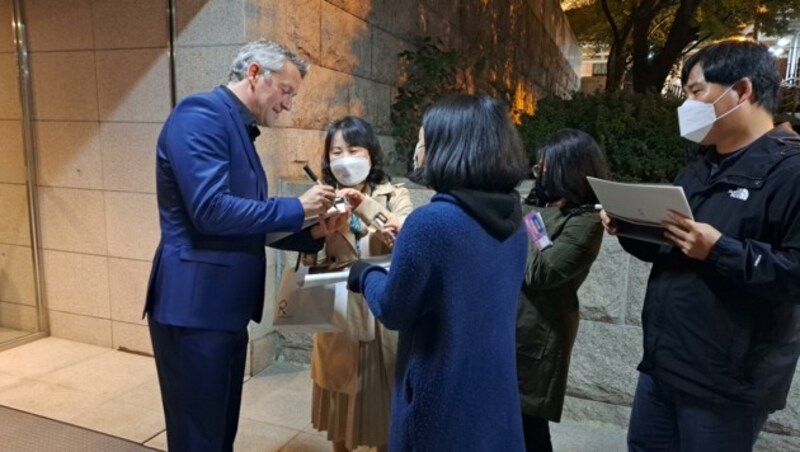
x=200 y=373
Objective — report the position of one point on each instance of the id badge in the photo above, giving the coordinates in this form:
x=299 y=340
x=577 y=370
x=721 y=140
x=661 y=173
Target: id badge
x=536 y=230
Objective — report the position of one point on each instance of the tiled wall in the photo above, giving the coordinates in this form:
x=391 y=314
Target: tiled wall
x=101 y=89
x=17 y=289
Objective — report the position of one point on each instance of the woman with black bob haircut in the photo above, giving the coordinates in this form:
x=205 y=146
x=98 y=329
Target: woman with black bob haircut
x=470 y=143
x=547 y=314
x=452 y=291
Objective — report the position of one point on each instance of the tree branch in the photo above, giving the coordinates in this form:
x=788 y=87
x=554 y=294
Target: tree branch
x=657 y=26
x=681 y=34
x=610 y=18
x=699 y=41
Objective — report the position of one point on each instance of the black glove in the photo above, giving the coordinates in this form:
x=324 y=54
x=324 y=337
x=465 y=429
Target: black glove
x=357 y=268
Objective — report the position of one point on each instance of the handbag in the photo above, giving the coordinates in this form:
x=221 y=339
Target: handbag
x=309 y=309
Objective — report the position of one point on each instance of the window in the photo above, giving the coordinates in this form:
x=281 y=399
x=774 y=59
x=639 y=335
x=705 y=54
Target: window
x=599 y=68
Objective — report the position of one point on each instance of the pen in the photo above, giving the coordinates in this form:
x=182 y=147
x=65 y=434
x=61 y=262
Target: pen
x=311 y=174
x=313 y=177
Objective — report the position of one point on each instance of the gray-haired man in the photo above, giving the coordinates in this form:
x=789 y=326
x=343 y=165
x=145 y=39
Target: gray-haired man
x=207 y=280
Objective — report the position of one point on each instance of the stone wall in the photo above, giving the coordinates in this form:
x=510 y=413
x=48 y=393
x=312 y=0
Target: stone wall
x=603 y=374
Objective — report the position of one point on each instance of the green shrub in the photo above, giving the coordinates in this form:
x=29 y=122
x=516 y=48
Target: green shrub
x=432 y=73
x=639 y=132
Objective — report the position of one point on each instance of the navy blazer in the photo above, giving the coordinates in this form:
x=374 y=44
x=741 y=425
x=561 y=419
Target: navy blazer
x=209 y=268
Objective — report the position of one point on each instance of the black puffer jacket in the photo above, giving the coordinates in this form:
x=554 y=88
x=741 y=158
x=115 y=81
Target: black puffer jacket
x=727 y=329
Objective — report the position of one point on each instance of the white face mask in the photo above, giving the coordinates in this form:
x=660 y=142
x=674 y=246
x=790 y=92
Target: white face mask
x=418 y=150
x=350 y=171
x=696 y=118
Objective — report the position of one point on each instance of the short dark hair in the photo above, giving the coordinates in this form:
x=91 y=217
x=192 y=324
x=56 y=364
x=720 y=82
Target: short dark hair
x=726 y=62
x=470 y=142
x=569 y=156
x=356 y=132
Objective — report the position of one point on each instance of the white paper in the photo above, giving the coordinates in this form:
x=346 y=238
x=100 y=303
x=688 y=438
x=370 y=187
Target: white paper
x=640 y=203
x=304 y=279
x=639 y=209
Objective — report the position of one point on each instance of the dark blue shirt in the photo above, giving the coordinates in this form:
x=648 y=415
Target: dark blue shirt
x=248 y=119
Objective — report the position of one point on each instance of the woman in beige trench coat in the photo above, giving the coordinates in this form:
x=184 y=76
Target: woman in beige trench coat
x=352 y=370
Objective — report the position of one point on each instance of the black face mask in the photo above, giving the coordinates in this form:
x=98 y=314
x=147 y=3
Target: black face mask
x=541 y=194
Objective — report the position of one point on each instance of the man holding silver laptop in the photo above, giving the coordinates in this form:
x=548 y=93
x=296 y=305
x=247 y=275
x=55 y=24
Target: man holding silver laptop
x=721 y=315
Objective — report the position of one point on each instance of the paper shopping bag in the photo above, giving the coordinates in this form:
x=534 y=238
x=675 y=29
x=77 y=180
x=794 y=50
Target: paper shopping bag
x=318 y=308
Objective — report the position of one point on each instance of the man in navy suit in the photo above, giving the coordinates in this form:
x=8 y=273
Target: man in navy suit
x=207 y=280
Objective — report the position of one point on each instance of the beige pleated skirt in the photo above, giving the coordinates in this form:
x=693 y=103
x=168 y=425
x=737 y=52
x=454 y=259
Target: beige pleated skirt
x=361 y=419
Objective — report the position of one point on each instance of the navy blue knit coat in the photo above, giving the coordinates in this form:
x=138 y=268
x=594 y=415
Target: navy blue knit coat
x=452 y=293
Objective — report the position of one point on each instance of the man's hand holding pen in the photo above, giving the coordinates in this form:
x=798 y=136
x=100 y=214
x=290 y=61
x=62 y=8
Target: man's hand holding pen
x=319 y=198
x=317 y=201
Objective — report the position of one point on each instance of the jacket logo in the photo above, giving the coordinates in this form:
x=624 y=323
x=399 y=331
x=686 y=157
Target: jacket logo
x=740 y=193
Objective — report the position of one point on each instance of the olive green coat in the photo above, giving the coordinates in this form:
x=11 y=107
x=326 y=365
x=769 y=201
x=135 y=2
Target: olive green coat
x=547 y=314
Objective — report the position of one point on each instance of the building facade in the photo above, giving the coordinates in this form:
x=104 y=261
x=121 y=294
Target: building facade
x=86 y=84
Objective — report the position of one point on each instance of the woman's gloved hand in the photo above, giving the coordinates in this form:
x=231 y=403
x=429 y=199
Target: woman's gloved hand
x=357 y=268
